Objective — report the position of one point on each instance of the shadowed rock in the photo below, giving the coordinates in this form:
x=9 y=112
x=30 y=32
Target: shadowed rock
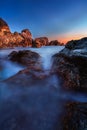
x=71 y=66
x=76 y=116
x=77 y=44
x=25 y=57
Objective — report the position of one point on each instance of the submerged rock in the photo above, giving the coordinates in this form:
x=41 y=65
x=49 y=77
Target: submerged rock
x=76 y=116
x=71 y=66
x=25 y=57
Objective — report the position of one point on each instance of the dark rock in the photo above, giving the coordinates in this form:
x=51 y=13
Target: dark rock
x=41 y=41
x=30 y=102
x=76 y=117
x=71 y=66
x=25 y=57
x=77 y=44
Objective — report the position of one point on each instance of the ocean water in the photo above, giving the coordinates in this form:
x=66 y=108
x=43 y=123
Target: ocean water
x=38 y=107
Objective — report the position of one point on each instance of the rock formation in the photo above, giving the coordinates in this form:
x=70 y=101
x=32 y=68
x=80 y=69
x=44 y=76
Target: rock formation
x=41 y=41
x=25 y=57
x=76 y=116
x=4 y=28
x=23 y=39
x=71 y=65
x=54 y=43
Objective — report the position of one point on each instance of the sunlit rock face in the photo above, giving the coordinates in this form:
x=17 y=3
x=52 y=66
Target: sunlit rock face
x=4 y=28
x=23 y=39
x=71 y=65
x=8 y=39
x=26 y=34
x=76 y=116
x=54 y=43
x=41 y=41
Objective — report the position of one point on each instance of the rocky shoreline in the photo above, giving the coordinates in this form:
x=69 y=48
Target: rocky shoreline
x=31 y=99
x=23 y=39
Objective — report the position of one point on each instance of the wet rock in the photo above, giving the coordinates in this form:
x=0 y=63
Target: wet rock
x=77 y=44
x=76 y=117
x=41 y=41
x=71 y=66
x=30 y=101
x=25 y=57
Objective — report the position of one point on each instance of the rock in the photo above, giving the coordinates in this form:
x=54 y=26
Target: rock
x=11 y=40
x=30 y=101
x=41 y=41
x=54 y=43
x=25 y=57
x=71 y=66
x=8 y=39
x=4 y=28
x=77 y=44
x=76 y=116
x=26 y=34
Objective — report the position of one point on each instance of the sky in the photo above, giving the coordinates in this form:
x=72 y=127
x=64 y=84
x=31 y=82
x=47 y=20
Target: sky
x=63 y=20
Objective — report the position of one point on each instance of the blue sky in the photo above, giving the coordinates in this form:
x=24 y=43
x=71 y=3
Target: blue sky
x=56 y=19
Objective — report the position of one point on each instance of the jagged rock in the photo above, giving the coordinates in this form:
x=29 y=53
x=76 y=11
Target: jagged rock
x=8 y=39
x=41 y=41
x=71 y=66
x=26 y=34
x=76 y=116
x=4 y=28
x=25 y=57
x=77 y=44
x=54 y=43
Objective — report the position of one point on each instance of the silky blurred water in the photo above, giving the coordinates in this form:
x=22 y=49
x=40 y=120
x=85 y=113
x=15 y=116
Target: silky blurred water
x=37 y=106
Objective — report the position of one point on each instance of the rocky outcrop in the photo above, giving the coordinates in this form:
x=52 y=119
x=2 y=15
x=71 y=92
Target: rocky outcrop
x=55 y=43
x=25 y=57
x=77 y=44
x=76 y=116
x=23 y=39
x=26 y=34
x=4 y=28
x=71 y=64
x=41 y=41
x=8 y=39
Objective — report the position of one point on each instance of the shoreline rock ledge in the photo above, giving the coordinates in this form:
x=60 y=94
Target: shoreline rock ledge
x=71 y=65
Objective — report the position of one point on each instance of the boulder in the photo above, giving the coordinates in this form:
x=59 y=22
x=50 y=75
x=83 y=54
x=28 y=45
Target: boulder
x=41 y=41
x=77 y=44
x=71 y=66
x=54 y=43
x=26 y=34
x=25 y=57
x=76 y=116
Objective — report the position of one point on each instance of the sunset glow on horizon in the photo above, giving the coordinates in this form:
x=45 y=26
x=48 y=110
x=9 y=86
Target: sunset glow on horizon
x=63 y=20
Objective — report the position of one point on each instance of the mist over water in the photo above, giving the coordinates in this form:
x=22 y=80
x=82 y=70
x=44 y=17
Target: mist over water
x=37 y=107
x=10 y=68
